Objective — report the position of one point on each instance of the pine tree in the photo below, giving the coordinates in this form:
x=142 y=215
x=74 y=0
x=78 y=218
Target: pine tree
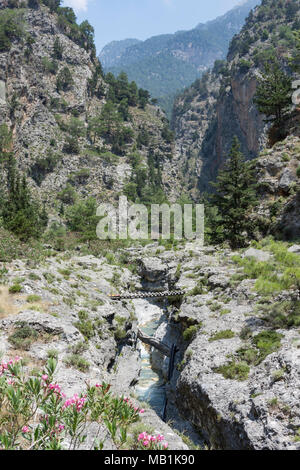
x=234 y=198
x=274 y=91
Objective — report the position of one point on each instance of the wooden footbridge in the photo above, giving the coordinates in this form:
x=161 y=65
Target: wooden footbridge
x=147 y=295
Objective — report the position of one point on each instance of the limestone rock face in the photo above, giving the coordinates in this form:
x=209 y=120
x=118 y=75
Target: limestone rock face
x=41 y=113
x=260 y=412
x=278 y=187
x=220 y=106
x=152 y=269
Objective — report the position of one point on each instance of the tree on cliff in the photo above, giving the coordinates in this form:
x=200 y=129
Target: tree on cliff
x=234 y=198
x=274 y=92
x=295 y=62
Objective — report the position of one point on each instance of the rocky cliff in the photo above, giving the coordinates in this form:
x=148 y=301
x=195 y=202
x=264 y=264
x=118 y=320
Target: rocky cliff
x=214 y=109
x=52 y=91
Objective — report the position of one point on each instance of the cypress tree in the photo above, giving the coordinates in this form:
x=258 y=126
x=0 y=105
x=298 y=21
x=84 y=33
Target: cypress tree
x=21 y=214
x=234 y=198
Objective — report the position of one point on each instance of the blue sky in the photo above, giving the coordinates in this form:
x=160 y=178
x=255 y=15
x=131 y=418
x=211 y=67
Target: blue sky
x=141 y=19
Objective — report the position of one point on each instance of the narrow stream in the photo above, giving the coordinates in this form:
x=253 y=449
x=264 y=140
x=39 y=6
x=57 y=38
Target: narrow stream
x=151 y=387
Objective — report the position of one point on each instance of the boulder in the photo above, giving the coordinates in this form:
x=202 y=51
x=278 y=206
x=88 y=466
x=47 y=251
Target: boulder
x=294 y=249
x=259 y=255
x=152 y=269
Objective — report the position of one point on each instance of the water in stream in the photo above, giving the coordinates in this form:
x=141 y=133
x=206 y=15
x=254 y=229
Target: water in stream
x=150 y=387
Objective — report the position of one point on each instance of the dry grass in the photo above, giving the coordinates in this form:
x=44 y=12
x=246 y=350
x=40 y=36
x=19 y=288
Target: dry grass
x=10 y=304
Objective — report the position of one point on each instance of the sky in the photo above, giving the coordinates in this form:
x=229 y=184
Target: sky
x=141 y=19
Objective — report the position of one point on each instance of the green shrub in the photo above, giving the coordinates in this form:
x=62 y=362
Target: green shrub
x=298 y=171
x=66 y=273
x=86 y=328
x=225 y=311
x=78 y=348
x=197 y=290
x=43 y=166
x=248 y=355
x=71 y=145
x=120 y=333
x=234 y=370
x=49 y=277
x=215 y=306
x=267 y=342
x=33 y=298
x=77 y=362
x=225 y=334
x=23 y=336
x=297 y=436
x=190 y=332
x=110 y=258
x=83 y=315
x=34 y=277
x=57 y=49
x=52 y=354
x=15 y=289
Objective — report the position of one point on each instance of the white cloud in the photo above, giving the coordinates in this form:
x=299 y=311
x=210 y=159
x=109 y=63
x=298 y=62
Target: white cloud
x=78 y=5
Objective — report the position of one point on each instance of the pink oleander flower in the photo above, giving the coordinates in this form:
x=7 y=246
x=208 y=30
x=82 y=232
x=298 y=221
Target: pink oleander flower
x=98 y=385
x=142 y=411
x=25 y=429
x=75 y=400
x=45 y=377
x=165 y=445
x=146 y=443
x=56 y=388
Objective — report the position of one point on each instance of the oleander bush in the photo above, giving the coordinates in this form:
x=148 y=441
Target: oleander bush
x=36 y=415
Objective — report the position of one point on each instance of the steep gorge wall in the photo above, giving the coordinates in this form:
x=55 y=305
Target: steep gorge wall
x=231 y=87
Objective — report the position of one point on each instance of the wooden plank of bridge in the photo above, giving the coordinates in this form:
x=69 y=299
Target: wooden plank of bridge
x=162 y=347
